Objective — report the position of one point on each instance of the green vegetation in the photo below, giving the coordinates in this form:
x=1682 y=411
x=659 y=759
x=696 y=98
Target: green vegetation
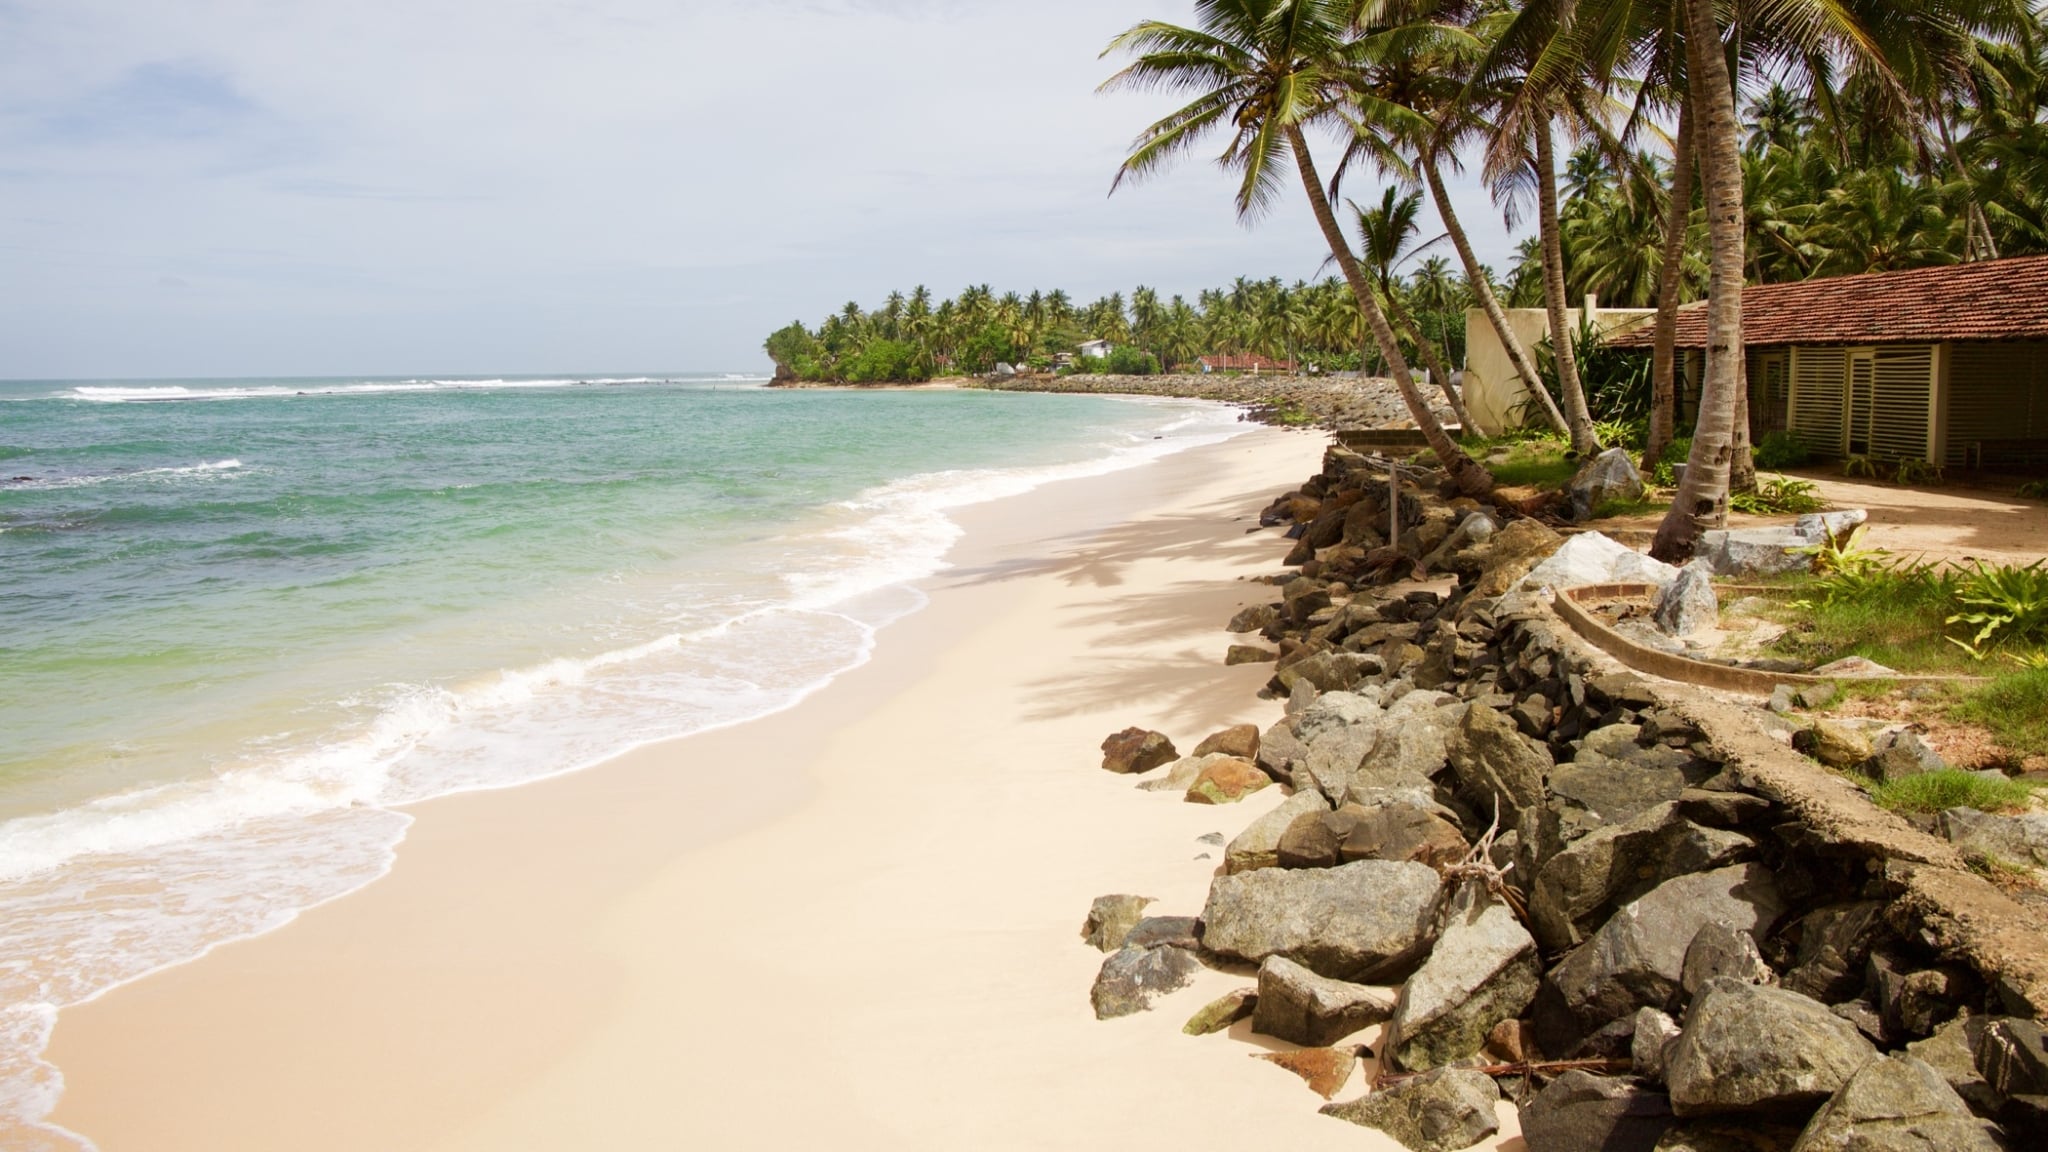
x=1780 y=450
x=1778 y=495
x=2014 y=708
x=1536 y=463
x=1665 y=474
x=2004 y=603
x=1940 y=791
x=2034 y=490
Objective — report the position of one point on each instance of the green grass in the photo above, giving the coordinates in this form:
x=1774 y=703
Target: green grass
x=1613 y=509
x=2014 y=708
x=1940 y=791
x=1533 y=464
x=1896 y=618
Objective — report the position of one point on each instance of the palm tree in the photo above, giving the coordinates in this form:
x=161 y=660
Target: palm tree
x=1387 y=233
x=1269 y=70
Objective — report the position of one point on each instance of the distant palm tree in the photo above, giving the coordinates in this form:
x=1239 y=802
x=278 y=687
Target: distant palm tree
x=1266 y=71
x=1387 y=233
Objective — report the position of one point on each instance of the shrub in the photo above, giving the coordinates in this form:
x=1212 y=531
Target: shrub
x=1777 y=496
x=1129 y=361
x=1940 y=791
x=1859 y=467
x=2014 y=707
x=1780 y=450
x=2034 y=490
x=1665 y=474
x=1912 y=471
x=887 y=362
x=2004 y=602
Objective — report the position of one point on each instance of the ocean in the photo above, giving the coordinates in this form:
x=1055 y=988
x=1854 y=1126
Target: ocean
x=245 y=623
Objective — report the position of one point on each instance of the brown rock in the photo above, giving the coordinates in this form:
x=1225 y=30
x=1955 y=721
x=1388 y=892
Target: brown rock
x=1402 y=832
x=1241 y=741
x=1135 y=750
x=1325 y=1069
x=1248 y=654
x=1222 y=1012
x=1226 y=782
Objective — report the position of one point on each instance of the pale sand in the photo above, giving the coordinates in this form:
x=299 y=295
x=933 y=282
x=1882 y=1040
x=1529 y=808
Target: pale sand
x=852 y=925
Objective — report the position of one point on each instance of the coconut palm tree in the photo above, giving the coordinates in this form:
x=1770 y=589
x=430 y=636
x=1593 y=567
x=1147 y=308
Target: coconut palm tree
x=1387 y=233
x=1267 y=71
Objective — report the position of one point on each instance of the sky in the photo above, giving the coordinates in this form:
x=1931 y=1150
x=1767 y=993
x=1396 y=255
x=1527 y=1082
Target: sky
x=417 y=187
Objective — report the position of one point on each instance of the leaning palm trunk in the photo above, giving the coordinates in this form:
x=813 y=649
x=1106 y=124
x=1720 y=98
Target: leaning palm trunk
x=1464 y=472
x=1670 y=283
x=1475 y=277
x=1702 y=502
x=1584 y=440
x=1430 y=357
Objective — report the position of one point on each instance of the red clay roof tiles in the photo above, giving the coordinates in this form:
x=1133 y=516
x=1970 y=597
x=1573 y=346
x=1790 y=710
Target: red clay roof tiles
x=1988 y=300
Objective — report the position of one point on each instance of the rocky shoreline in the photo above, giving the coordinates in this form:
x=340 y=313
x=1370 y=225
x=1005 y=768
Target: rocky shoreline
x=1325 y=402
x=1630 y=908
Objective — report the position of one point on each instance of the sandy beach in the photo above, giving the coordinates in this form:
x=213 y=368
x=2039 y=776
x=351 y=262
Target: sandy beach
x=852 y=924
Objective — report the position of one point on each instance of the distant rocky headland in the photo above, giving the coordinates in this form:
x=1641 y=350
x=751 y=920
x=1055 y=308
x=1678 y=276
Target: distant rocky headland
x=1327 y=402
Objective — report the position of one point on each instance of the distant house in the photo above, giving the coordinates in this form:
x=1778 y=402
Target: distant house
x=1947 y=365
x=1096 y=349
x=1252 y=364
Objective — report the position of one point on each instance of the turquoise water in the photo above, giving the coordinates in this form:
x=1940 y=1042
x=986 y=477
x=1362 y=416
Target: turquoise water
x=244 y=623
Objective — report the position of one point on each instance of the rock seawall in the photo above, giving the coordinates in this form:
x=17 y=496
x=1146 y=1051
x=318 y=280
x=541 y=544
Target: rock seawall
x=1327 y=402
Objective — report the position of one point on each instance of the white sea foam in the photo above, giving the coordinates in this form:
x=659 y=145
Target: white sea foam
x=154 y=475
x=168 y=393
x=105 y=892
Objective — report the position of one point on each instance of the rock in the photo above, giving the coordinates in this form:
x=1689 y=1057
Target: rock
x=1256 y=618
x=1746 y=1048
x=1514 y=551
x=1483 y=970
x=1867 y=1019
x=1447 y=1110
x=1227 y=780
x=1591 y=558
x=1111 y=918
x=1896 y=1104
x=1280 y=751
x=1241 y=741
x=1818 y=695
x=1258 y=846
x=1784 y=698
x=1410 y=749
x=1833 y=744
x=1755 y=551
x=1337 y=711
x=1510 y=1042
x=1325 y=1069
x=1328 y=671
x=1313 y=840
x=1180 y=775
x=1135 y=750
x=1916 y=1002
x=1902 y=755
x=2013 y=1057
x=1580 y=1111
x=1364 y=921
x=1595 y=791
x=1578 y=886
x=1689 y=605
x=1333 y=760
x=1654 y=1032
x=1834 y=945
x=1607 y=478
x=1852 y=667
x=1395 y=831
x=1498 y=769
x=1952 y=1051
x=1222 y=1012
x=1298 y=1006
x=1732 y=1135
x=1162 y=931
x=1248 y=654
x=1133 y=977
x=1720 y=949
x=1637 y=959
x=2021 y=839
x=1817 y=526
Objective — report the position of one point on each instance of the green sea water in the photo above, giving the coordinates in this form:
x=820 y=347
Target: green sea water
x=244 y=623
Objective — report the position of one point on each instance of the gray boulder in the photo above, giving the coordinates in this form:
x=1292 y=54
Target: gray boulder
x=1580 y=1111
x=2013 y=1057
x=1607 y=478
x=1689 y=604
x=1256 y=618
x=1337 y=710
x=1333 y=758
x=1111 y=918
x=1575 y=890
x=1398 y=831
x=1637 y=959
x=1258 y=846
x=1721 y=949
x=1280 y=750
x=1654 y=1032
x=1367 y=921
x=1901 y=755
x=1834 y=945
x=1296 y=1005
x=1328 y=671
x=1497 y=768
x=1755 y=551
x=1409 y=751
x=1896 y=1104
x=1595 y=790
x=1483 y=970
x=1746 y=1047
x=1952 y=1051
x=1446 y=1110
x=2021 y=839
x=1135 y=750
x=1133 y=977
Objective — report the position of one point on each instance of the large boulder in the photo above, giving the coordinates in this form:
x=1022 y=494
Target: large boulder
x=1637 y=959
x=1133 y=977
x=1401 y=831
x=2013 y=1057
x=1226 y=780
x=1483 y=970
x=2020 y=839
x=1591 y=558
x=1280 y=750
x=1333 y=758
x=1258 y=846
x=1514 y=551
x=1298 y=1006
x=1577 y=888
x=1610 y=477
x=1896 y=1104
x=1581 y=1112
x=1241 y=741
x=1111 y=918
x=1835 y=941
x=1498 y=769
x=1447 y=1110
x=1135 y=750
x=1410 y=749
x=1689 y=605
x=1748 y=1048
x=1367 y=921
x=1596 y=790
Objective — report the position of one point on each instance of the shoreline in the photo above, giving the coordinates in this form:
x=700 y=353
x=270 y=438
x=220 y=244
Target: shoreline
x=399 y=995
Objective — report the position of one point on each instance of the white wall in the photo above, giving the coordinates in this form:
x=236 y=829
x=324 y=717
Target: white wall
x=1493 y=391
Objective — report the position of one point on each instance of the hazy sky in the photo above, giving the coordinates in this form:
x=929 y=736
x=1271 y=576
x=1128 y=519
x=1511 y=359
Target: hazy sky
x=246 y=187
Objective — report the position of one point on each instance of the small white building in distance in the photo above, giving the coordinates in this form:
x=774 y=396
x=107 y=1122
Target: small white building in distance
x=1096 y=349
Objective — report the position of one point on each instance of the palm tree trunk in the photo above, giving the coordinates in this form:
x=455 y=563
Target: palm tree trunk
x=1584 y=441
x=1702 y=502
x=1465 y=473
x=1430 y=357
x=1475 y=279
x=1670 y=284
x=1741 y=460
